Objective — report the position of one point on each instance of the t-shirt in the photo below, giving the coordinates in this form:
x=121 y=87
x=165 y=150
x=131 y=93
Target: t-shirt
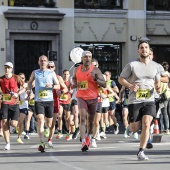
x=145 y=75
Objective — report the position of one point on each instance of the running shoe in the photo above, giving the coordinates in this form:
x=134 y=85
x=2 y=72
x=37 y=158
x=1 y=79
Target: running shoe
x=68 y=136
x=49 y=144
x=26 y=137
x=23 y=133
x=41 y=147
x=116 y=129
x=103 y=135
x=93 y=143
x=142 y=157
x=84 y=147
x=125 y=134
x=46 y=133
x=75 y=134
x=135 y=135
x=149 y=144
x=59 y=135
x=7 y=146
x=20 y=141
x=98 y=137
x=88 y=139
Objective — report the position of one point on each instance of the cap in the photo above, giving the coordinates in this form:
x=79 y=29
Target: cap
x=84 y=53
x=51 y=63
x=8 y=64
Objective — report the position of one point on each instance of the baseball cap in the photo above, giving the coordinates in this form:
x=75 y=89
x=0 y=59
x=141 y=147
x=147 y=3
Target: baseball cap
x=8 y=64
x=51 y=63
x=84 y=53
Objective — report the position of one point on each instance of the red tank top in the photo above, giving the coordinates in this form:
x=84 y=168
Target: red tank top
x=66 y=97
x=8 y=86
x=55 y=96
x=87 y=87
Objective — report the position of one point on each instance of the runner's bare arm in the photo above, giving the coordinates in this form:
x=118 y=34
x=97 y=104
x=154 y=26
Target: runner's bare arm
x=56 y=82
x=62 y=84
x=98 y=77
x=30 y=81
x=74 y=79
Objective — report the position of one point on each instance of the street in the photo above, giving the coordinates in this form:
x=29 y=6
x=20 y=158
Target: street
x=115 y=152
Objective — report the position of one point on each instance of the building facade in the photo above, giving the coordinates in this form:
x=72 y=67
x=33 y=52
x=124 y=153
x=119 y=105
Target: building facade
x=110 y=29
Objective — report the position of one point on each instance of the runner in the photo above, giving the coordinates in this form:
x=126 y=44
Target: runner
x=23 y=111
x=45 y=82
x=141 y=77
x=56 y=94
x=87 y=77
x=112 y=100
x=10 y=84
x=65 y=101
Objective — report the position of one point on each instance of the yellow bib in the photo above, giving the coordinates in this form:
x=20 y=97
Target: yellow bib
x=43 y=94
x=7 y=97
x=32 y=102
x=64 y=97
x=143 y=94
x=83 y=85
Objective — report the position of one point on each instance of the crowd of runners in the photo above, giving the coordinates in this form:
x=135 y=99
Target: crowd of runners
x=84 y=103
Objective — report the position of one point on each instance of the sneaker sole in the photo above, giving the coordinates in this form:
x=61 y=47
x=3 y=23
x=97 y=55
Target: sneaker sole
x=41 y=149
x=84 y=148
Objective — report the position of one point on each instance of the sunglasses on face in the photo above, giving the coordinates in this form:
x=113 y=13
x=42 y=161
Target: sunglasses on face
x=50 y=66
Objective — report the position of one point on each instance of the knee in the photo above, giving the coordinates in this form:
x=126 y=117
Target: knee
x=14 y=124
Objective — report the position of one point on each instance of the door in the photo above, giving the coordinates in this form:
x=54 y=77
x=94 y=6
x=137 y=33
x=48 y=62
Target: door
x=27 y=53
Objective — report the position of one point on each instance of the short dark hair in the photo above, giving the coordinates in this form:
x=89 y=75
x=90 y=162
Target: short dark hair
x=65 y=71
x=141 y=42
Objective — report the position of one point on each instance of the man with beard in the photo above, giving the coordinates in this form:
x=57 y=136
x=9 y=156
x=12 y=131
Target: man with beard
x=86 y=78
x=141 y=77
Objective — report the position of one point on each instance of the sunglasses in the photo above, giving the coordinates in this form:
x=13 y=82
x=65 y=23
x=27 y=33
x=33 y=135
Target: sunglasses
x=50 y=66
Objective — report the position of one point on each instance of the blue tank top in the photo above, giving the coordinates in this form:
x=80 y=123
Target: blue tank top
x=43 y=93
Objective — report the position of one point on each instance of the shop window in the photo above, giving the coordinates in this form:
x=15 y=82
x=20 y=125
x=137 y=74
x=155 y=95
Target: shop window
x=162 y=5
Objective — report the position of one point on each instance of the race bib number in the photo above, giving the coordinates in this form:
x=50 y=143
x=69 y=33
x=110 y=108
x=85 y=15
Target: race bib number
x=7 y=97
x=143 y=94
x=64 y=97
x=43 y=94
x=83 y=85
x=32 y=102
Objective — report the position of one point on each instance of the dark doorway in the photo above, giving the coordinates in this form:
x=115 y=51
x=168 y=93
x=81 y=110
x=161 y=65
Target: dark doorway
x=26 y=54
x=161 y=53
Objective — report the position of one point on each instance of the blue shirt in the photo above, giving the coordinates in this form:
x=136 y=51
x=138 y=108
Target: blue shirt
x=42 y=93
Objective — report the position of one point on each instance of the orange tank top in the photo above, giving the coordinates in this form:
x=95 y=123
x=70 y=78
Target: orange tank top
x=87 y=87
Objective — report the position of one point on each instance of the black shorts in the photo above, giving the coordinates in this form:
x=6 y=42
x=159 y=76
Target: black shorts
x=99 y=107
x=24 y=111
x=137 y=111
x=105 y=109
x=10 y=112
x=66 y=107
x=46 y=108
x=73 y=103
x=31 y=108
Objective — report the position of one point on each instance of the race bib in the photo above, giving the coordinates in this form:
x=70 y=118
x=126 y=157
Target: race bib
x=32 y=102
x=143 y=94
x=7 y=97
x=43 y=94
x=83 y=85
x=64 y=97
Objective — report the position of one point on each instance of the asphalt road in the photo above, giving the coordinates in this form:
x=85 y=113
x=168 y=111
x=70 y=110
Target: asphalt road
x=115 y=152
